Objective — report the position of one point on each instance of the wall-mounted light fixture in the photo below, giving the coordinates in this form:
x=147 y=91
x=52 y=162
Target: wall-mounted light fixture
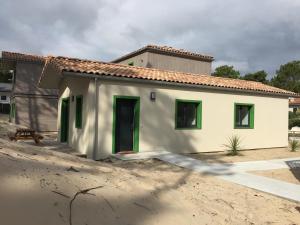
x=152 y=96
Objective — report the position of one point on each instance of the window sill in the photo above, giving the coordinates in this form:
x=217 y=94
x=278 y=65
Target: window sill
x=187 y=128
x=243 y=128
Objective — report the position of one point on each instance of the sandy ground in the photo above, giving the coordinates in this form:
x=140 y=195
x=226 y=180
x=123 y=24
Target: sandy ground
x=246 y=155
x=37 y=186
x=288 y=175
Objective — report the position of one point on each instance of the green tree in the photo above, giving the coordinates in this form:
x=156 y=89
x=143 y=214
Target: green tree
x=226 y=71
x=5 y=76
x=260 y=76
x=288 y=77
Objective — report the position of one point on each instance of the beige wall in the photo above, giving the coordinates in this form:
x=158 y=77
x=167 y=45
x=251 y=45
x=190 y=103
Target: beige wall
x=80 y=139
x=36 y=112
x=36 y=107
x=166 y=62
x=27 y=77
x=157 y=119
x=138 y=60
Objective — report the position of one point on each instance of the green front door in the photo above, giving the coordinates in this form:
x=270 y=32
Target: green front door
x=64 y=125
x=126 y=124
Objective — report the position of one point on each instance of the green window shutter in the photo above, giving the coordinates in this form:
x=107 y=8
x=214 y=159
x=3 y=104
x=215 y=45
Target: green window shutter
x=199 y=115
x=78 y=119
x=252 y=117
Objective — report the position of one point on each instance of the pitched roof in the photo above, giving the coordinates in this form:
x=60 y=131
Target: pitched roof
x=63 y=64
x=167 y=51
x=294 y=102
x=22 y=57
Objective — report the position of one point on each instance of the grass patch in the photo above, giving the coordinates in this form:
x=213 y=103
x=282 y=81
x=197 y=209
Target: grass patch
x=294 y=145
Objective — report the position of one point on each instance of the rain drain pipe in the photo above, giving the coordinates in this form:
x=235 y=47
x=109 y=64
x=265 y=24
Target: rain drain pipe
x=96 y=119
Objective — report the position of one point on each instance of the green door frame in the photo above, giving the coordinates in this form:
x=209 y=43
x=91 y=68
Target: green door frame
x=136 y=122
x=64 y=131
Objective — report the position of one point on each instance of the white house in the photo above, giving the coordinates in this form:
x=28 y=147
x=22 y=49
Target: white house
x=5 y=93
x=106 y=108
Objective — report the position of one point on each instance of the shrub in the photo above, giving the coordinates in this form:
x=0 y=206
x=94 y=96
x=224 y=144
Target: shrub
x=294 y=122
x=292 y=115
x=294 y=145
x=234 y=145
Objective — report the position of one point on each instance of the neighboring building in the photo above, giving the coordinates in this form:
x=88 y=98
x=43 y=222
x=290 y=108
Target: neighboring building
x=106 y=108
x=5 y=92
x=31 y=106
x=168 y=58
x=294 y=104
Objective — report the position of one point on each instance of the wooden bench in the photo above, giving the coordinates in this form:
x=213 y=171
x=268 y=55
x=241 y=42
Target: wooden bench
x=26 y=134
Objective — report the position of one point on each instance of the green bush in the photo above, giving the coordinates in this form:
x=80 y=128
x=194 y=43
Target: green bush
x=294 y=122
x=294 y=145
x=292 y=115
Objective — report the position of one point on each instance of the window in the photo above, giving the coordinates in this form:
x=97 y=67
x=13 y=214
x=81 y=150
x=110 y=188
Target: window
x=131 y=64
x=244 y=116
x=188 y=114
x=3 y=97
x=78 y=120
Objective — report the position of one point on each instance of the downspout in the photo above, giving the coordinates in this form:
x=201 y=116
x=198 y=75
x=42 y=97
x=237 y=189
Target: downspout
x=96 y=97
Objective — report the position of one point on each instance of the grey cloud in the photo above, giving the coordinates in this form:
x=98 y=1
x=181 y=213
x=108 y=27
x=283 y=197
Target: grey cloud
x=251 y=35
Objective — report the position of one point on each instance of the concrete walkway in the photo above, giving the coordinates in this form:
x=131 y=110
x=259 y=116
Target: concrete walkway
x=233 y=172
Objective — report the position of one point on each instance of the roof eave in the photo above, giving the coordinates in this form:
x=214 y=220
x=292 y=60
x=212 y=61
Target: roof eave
x=15 y=58
x=103 y=76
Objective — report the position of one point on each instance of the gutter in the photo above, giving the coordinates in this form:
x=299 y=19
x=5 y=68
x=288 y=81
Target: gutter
x=173 y=84
x=94 y=155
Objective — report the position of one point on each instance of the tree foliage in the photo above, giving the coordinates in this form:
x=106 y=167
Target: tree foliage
x=5 y=76
x=260 y=76
x=288 y=77
x=226 y=71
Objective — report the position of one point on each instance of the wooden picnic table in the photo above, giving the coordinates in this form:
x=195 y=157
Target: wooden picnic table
x=26 y=134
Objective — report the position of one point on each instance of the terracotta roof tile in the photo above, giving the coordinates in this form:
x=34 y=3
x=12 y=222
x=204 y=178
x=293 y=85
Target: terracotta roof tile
x=6 y=64
x=294 y=101
x=117 y=70
x=166 y=50
x=22 y=57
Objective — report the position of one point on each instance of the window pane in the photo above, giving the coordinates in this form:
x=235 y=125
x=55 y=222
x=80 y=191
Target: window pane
x=180 y=115
x=186 y=114
x=242 y=115
x=191 y=115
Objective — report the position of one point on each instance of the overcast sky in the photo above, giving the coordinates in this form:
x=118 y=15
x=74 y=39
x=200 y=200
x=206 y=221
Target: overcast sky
x=251 y=35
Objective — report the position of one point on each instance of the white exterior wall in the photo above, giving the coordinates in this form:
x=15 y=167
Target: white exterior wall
x=157 y=119
x=7 y=101
x=80 y=139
